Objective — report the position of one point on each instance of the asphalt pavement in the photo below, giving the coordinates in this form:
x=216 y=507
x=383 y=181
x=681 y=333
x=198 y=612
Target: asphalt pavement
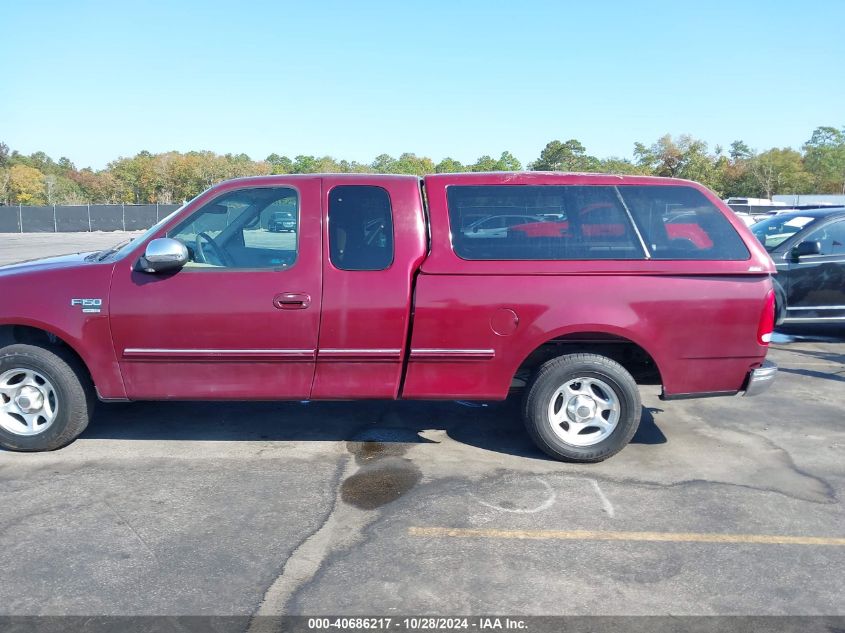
x=721 y=506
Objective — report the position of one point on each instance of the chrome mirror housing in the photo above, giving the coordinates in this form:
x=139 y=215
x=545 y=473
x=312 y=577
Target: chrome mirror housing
x=163 y=255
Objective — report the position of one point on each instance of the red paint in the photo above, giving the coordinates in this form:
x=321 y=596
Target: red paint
x=313 y=331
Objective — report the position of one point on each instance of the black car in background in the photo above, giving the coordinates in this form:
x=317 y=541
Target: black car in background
x=808 y=248
x=281 y=221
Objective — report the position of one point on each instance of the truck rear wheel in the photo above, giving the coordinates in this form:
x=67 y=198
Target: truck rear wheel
x=46 y=398
x=582 y=407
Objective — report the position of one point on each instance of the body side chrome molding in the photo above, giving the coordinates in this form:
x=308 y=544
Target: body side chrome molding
x=340 y=354
x=800 y=319
x=166 y=354
x=813 y=259
x=386 y=354
x=452 y=354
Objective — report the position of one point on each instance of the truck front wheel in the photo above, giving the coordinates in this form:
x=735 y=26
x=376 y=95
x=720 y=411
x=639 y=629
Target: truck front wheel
x=46 y=398
x=582 y=407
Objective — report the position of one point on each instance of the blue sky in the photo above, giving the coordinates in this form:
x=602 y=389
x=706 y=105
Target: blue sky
x=95 y=80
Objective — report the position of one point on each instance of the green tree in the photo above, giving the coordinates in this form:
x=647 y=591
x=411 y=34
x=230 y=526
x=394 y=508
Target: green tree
x=685 y=158
x=449 y=166
x=484 y=163
x=505 y=162
x=354 y=167
x=824 y=159
x=780 y=171
x=568 y=156
x=303 y=164
x=735 y=174
x=412 y=164
x=65 y=165
x=508 y=162
x=280 y=164
x=740 y=151
x=42 y=162
x=66 y=191
x=384 y=164
x=138 y=177
x=621 y=166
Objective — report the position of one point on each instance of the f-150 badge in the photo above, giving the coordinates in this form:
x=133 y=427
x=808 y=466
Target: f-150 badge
x=88 y=305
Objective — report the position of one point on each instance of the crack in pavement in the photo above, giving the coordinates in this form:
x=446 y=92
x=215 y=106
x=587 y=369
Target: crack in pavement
x=122 y=520
x=351 y=512
x=303 y=562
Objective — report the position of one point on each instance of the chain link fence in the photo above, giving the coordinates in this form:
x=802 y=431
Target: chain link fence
x=90 y=217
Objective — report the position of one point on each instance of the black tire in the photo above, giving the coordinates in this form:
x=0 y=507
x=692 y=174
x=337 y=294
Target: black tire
x=563 y=369
x=73 y=389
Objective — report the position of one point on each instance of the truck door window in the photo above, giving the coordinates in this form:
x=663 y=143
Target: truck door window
x=360 y=228
x=252 y=228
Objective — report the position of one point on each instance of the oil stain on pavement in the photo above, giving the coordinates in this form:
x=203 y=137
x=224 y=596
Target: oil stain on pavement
x=384 y=476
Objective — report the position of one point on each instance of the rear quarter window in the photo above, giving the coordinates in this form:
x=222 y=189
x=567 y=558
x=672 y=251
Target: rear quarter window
x=679 y=222
x=549 y=222
x=573 y=222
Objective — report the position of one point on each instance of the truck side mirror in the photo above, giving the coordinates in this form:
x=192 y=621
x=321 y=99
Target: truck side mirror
x=807 y=248
x=163 y=255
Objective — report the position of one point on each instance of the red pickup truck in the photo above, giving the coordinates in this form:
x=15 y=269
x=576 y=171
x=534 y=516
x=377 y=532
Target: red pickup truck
x=571 y=288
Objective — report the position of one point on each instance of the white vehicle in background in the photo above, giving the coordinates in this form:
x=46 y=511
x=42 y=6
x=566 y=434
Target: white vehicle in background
x=497 y=225
x=749 y=219
x=755 y=206
x=752 y=210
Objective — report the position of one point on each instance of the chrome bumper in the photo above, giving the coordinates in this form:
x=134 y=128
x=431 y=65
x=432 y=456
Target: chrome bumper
x=760 y=379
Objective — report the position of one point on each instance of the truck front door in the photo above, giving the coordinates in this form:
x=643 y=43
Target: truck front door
x=240 y=320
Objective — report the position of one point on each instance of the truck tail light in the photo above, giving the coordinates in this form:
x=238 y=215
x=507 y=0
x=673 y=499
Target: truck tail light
x=767 y=320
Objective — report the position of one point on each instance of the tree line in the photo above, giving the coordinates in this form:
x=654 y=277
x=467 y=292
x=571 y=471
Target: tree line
x=169 y=177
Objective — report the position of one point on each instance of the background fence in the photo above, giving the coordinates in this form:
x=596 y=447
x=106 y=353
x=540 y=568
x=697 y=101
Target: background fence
x=92 y=217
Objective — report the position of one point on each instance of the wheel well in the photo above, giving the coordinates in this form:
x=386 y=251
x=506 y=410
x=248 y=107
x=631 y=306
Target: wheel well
x=631 y=356
x=25 y=334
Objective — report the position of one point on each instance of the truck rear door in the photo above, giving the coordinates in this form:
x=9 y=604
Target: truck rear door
x=373 y=242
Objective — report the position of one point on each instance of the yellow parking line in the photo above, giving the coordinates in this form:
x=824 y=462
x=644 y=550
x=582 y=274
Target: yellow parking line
x=590 y=535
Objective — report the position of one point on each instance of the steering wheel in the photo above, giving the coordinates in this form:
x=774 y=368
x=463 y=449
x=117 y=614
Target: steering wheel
x=215 y=251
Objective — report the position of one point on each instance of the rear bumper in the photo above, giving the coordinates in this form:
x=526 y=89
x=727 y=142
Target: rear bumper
x=760 y=379
x=756 y=381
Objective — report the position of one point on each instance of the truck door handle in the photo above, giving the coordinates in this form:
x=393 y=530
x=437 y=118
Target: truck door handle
x=292 y=301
